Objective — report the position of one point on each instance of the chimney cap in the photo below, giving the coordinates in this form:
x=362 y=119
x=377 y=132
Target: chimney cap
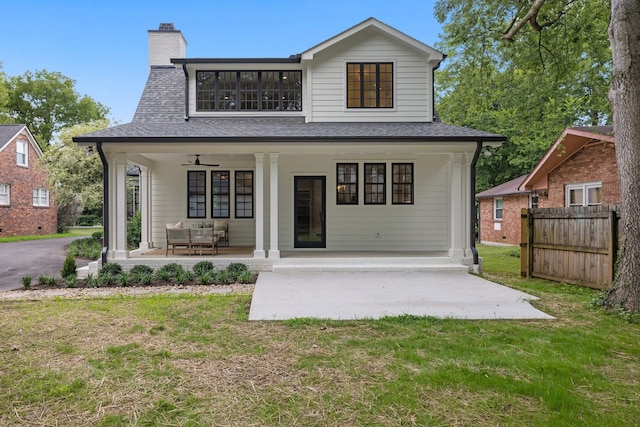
x=167 y=26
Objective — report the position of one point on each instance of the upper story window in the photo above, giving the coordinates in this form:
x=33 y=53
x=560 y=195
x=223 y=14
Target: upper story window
x=249 y=90
x=369 y=85
x=5 y=194
x=22 y=153
x=497 y=208
x=40 y=197
x=588 y=194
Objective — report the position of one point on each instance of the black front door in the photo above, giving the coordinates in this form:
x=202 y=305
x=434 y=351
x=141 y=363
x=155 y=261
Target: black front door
x=309 y=211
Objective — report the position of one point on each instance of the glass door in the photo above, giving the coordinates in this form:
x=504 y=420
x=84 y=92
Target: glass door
x=309 y=211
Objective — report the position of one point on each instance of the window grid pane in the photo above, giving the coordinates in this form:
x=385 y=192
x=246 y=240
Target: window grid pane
x=196 y=194
x=21 y=153
x=347 y=184
x=374 y=183
x=5 y=194
x=249 y=90
x=497 y=208
x=402 y=184
x=244 y=194
x=220 y=198
x=370 y=85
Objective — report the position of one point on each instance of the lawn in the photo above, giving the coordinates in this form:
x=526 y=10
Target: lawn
x=72 y=232
x=176 y=360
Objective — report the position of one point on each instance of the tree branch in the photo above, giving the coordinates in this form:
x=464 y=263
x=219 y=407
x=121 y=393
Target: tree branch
x=532 y=17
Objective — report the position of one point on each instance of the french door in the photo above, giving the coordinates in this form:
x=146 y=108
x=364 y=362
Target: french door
x=309 y=211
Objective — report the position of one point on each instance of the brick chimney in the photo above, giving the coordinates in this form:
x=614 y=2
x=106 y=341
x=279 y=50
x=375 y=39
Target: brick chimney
x=165 y=43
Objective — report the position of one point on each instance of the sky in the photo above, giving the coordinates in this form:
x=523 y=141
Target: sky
x=103 y=45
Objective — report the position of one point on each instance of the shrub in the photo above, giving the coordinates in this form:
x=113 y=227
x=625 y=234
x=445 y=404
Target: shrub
x=69 y=267
x=47 y=280
x=205 y=278
x=162 y=275
x=245 y=277
x=91 y=281
x=97 y=235
x=89 y=247
x=106 y=278
x=124 y=279
x=111 y=267
x=134 y=231
x=236 y=268
x=202 y=267
x=71 y=281
x=172 y=269
x=223 y=277
x=143 y=278
x=140 y=269
x=26 y=282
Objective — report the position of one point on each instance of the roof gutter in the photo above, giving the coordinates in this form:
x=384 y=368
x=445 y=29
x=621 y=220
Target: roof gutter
x=105 y=203
x=186 y=91
x=474 y=212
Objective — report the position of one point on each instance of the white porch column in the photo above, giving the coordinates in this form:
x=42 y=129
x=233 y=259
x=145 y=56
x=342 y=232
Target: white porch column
x=457 y=208
x=273 y=188
x=259 y=250
x=119 y=207
x=145 y=208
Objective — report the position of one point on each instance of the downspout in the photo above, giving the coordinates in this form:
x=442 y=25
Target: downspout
x=186 y=92
x=105 y=203
x=474 y=213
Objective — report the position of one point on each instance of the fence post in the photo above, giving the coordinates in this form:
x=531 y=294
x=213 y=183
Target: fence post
x=524 y=242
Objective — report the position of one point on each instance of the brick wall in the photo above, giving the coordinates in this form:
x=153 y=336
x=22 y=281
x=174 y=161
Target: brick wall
x=509 y=231
x=21 y=218
x=592 y=163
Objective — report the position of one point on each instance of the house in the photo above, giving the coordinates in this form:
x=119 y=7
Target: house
x=333 y=151
x=500 y=209
x=26 y=204
x=579 y=169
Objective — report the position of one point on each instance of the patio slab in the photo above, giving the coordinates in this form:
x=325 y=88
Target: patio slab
x=371 y=295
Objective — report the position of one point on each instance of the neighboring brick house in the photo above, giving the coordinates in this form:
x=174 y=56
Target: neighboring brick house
x=26 y=203
x=500 y=212
x=578 y=170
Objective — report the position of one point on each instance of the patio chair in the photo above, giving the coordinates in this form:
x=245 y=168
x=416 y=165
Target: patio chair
x=221 y=230
x=178 y=238
x=203 y=239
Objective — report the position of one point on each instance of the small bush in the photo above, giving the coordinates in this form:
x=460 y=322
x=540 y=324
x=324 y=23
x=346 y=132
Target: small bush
x=47 y=280
x=111 y=267
x=97 y=235
x=69 y=267
x=91 y=281
x=71 y=281
x=89 y=247
x=26 y=282
x=134 y=231
x=124 y=279
x=140 y=269
x=205 y=278
x=223 y=277
x=162 y=275
x=236 y=268
x=202 y=267
x=105 y=278
x=143 y=278
x=245 y=277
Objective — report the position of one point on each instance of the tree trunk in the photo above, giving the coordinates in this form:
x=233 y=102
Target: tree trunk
x=624 y=95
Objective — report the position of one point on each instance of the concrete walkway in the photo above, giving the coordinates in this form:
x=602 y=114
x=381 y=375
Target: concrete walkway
x=347 y=296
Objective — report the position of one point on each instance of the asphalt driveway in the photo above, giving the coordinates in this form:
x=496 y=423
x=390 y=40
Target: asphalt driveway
x=32 y=258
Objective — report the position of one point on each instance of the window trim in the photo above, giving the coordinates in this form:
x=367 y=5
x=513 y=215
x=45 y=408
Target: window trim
x=496 y=209
x=191 y=193
x=395 y=184
x=585 y=186
x=25 y=153
x=361 y=104
x=283 y=91
x=368 y=183
x=237 y=193
x=228 y=194
x=6 y=195
x=355 y=194
x=40 y=194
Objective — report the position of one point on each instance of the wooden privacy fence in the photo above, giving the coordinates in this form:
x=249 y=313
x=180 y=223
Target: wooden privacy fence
x=574 y=245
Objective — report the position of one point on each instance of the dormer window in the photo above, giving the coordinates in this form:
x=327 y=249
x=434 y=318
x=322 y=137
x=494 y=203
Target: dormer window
x=249 y=90
x=369 y=85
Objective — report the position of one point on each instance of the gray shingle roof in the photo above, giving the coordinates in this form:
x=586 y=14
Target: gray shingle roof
x=505 y=189
x=160 y=117
x=8 y=131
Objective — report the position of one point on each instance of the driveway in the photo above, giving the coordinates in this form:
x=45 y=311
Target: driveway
x=32 y=258
x=369 y=295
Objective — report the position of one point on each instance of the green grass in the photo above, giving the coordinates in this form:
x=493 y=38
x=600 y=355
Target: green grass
x=72 y=232
x=197 y=361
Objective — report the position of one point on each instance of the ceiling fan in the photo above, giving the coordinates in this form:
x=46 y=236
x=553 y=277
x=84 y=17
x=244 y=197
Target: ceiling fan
x=196 y=162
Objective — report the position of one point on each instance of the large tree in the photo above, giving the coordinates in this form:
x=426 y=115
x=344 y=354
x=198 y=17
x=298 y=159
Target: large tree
x=75 y=174
x=527 y=87
x=47 y=102
x=624 y=32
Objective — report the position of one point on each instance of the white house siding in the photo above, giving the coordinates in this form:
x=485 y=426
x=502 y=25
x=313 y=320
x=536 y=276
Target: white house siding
x=412 y=81
x=418 y=227
x=169 y=203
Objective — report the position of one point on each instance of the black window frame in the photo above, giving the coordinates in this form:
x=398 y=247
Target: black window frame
x=200 y=190
x=361 y=82
x=398 y=186
x=216 y=211
x=352 y=196
x=225 y=95
x=369 y=184
x=237 y=201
